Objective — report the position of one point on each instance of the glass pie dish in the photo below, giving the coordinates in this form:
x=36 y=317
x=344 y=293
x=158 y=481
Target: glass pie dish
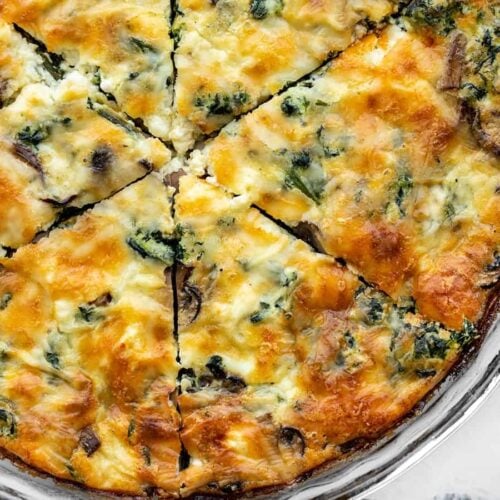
x=368 y=468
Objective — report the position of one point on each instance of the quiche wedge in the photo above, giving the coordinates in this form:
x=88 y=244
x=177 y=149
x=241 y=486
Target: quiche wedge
x=61 y=148
x=288 y=359
x=374 y=162
x=88 y=357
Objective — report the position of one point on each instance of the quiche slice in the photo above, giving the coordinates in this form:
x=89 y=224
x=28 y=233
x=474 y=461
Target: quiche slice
x=88 y=358
x=233 y=54
x=288 y=358
x=124 y=46
x=372 y=160
x=61 y=148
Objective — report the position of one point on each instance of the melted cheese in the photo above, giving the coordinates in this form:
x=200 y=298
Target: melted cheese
x=58 y=152
x=19 y=64
x=123 y=45
x=289 y=355
x=233 y=54
x=88 y=366
x=175 y=341
x=374 y=155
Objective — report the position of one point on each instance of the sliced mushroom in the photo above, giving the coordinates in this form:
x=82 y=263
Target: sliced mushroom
x=455 y=62
x=28 y=156
x=59 y=203
x=189 y=297
x=103 y=300
x=485 y=127
x=173 y=178
x=310 y=233
x=89 y=441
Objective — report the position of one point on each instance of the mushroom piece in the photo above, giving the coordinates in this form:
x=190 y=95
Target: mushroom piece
x=173 y=178
x=89 y=441
x=28 y=156
x=189 y=297
x=485 y=125
x=310 y=233
x=455 y=63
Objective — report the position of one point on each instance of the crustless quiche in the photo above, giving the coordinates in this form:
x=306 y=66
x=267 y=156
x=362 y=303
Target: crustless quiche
x=239 y=239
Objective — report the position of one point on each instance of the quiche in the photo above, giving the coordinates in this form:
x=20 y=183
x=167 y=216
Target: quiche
x=124 y=46
x=89 y=368
x=373 y=161
x=240 y=240
x=61 y=149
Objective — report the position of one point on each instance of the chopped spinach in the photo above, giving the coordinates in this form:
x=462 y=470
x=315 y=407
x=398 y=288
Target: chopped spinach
x=309 y=183
x=400 y=189
x=261 y=314
x=88 y=313
x=294 y=105
x=5 y=300
x=113 y=117
x=152 y=244
x=33 y=136
x=428 y=343
x=260 y=9
x=466 y=335
x=371 y=303
x=222 y=104
x=53 y=359
x=141 y=46
x=438 y=15
x=301 y=159
x=8 y=420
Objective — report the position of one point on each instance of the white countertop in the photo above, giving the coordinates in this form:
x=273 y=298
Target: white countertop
x=464 y=467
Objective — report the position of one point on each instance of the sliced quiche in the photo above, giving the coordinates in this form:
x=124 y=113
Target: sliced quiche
x=372 y=160
x=288 y=359
x=88 y=358
x=233 y=54
x=62 y=148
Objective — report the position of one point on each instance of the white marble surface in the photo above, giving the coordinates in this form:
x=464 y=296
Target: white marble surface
x=465 y=467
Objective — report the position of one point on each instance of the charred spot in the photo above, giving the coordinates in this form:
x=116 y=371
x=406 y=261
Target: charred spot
x=293 y=438
x=352 y=445
x=102 y=159
x=89 y=441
